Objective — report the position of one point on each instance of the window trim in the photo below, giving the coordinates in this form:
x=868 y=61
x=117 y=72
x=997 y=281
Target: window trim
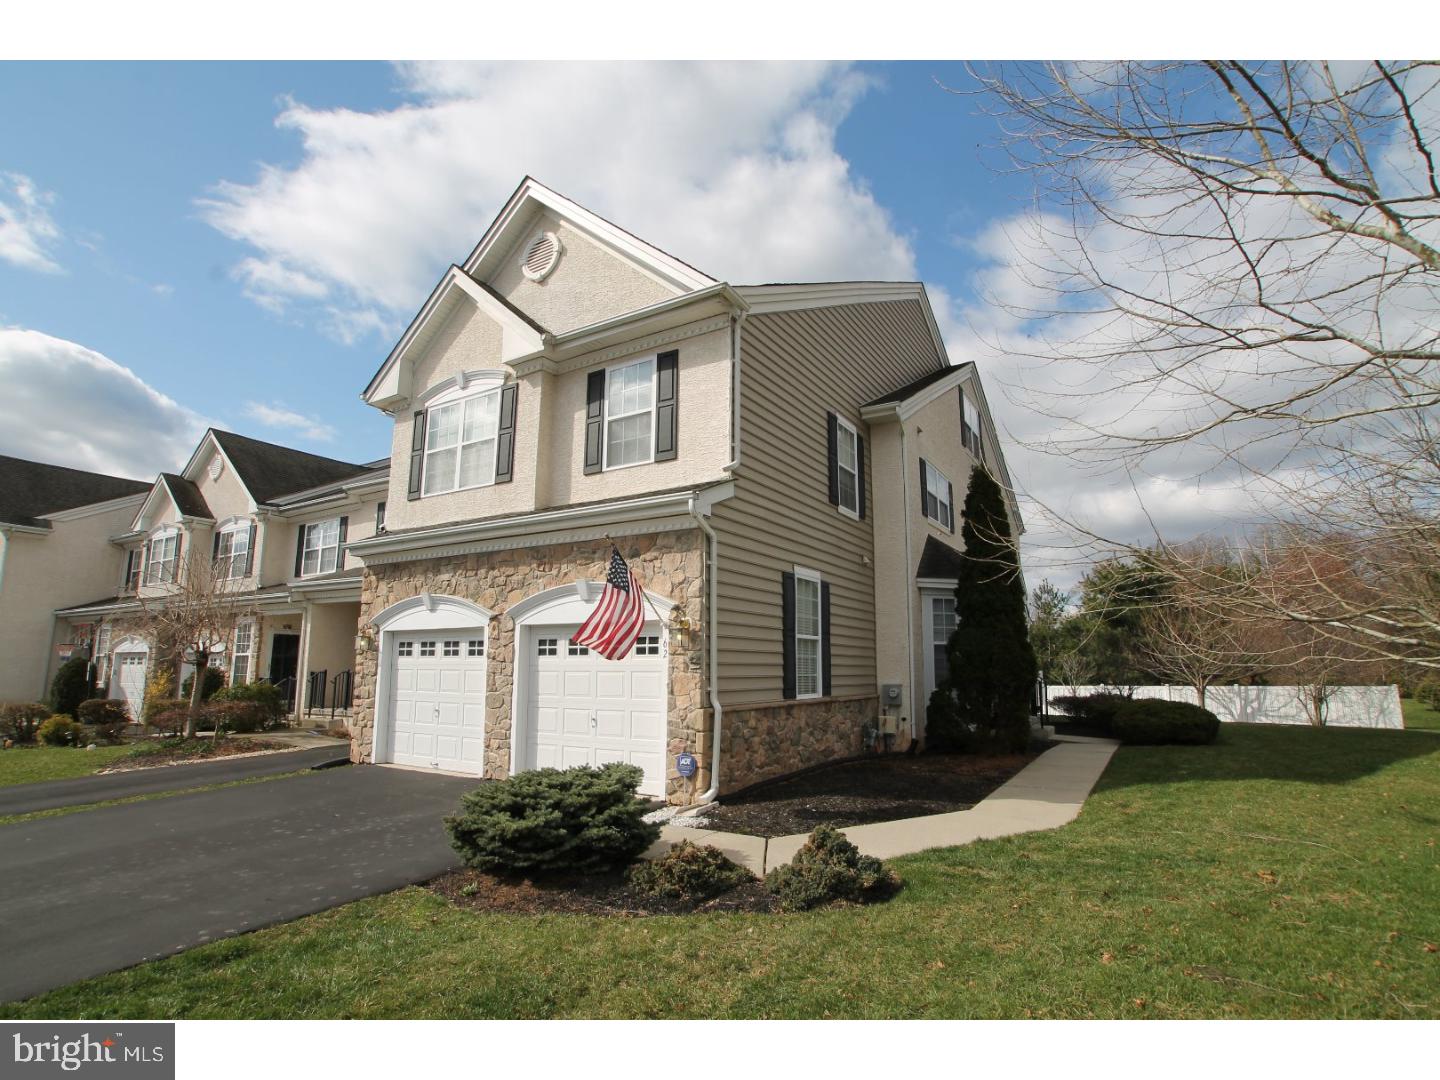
x=248 y=654
x=169 y=532
x=842 y=426
x=942 y=497
x=803 y=573
x=239 y=527
x=653 y=359
x=461 y=400
x=305 y=547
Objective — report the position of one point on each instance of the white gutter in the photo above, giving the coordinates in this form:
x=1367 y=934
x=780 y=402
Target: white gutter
x=909 y=590
x=712 y=632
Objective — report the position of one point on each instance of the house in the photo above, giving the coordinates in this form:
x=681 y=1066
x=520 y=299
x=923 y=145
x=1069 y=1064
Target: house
x=269 y=524
x=53 y=521
x=780 y=464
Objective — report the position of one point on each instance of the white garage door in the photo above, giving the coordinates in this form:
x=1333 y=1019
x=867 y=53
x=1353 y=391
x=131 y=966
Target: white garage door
x=129 y=675
x=437 y=700
x=586 y=710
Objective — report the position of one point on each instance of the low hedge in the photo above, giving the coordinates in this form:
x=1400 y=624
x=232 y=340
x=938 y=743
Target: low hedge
x=266 y=696
x=1091 y=710
x=828 y=869
x=20 y=720
x=61 y=731
x=1150 y=722
x=554 y=821
x=689 y=871
x=240 y=717
x=105 y=717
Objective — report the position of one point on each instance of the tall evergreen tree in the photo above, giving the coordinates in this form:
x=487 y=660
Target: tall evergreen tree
x=992 y=666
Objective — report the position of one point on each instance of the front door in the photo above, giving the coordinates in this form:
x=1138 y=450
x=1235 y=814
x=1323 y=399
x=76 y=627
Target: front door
x=938 y=616
x=284 y=663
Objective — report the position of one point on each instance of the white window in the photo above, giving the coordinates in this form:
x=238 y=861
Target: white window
x=460 y=443
x=102 y=655
x=427 y=648
x=232 y=551
x=942 y=625
x=630 y=414
x=647 y=645
x=937 y=497
x=321 y=553
x=546 y=646
x=162 y=556
x=576 y=650
x=242 y=653
x=405 y=648
x=847 y=461
x=134 y=565
x=476 y=647
x=451 y=648
x=808 y=676
x=970 y=427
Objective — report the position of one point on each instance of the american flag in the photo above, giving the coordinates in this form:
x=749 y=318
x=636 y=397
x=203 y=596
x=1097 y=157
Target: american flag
x=619 y=617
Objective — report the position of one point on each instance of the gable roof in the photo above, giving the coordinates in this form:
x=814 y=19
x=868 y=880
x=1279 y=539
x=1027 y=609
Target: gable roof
x=269 y=471
x=532 y=198
x=939 y=560
x=31 y=489
x=909 y=390
x=186 y=496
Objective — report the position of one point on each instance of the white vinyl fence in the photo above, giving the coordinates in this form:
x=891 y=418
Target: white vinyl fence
x=1347 y=706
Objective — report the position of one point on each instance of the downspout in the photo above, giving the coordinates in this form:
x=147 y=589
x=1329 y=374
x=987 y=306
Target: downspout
x=712 y=632
x=909 y=590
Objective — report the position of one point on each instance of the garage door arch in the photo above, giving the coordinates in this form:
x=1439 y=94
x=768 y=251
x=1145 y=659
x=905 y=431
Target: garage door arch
x=431 y=683
x=554 y=613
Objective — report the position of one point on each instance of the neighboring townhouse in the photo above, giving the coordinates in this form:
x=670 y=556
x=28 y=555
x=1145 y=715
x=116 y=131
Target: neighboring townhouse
x=55 y=524
x=780 y=464
x=271 y=524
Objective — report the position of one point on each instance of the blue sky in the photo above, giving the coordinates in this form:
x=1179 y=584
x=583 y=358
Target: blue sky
x=123 y=156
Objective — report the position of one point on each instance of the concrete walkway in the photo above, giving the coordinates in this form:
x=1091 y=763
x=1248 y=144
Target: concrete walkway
x=83 y=790
x=1046 y=794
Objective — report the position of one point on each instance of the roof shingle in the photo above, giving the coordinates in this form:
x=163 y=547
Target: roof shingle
x=31 y=489
x=269 y=471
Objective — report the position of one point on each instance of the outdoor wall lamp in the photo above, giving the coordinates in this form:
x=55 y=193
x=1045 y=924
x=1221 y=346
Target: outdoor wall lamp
x=679 y=630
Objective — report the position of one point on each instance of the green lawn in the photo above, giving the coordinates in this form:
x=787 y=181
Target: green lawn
x=29 y=764
x=1419 y=717
x=1285 y=872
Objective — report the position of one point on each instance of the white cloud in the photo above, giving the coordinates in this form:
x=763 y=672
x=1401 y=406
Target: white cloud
x=69 y=405
x=27 y=232
x=732 y=167
x=277 y=416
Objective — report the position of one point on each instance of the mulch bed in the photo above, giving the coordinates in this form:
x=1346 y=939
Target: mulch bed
x=861 y=792
x=591 y=894
x=202 y=749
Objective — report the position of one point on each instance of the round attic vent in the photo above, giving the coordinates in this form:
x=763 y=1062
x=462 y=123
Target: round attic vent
x=541 y=256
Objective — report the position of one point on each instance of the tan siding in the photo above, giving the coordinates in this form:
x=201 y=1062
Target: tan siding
x=796 y=366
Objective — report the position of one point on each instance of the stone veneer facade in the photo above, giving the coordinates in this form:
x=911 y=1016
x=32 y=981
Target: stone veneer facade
x=763 y=742
x=669 y=564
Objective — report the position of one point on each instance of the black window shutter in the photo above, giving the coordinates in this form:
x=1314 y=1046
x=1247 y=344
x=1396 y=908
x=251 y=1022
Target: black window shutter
x=417 y=456
x=344 y=532
x=832 y=436
x=129 y=566
x=951 y=497
x=179 y=549
x=667 y=396
x=300 y=548
x=787 y=622
x=505 y=437
x=860 y=472
x=250 y=552
x=924 y=490
x=215 y=544
x=826 y=681
x=380 y=516
x=594 y=422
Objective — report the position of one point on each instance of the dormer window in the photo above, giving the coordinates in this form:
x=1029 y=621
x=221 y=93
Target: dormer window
x=460 y=438
x=540 y=257
x=162 y=557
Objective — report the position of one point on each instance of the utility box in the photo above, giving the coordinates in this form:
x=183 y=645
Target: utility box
x=890 y=696
x=889 y=725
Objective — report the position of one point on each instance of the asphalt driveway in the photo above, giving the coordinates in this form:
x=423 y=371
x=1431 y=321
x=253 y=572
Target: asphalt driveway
x=83 y=790
x=103 y=889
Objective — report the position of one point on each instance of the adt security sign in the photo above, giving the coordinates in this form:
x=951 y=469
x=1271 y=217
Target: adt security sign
x=686 y=765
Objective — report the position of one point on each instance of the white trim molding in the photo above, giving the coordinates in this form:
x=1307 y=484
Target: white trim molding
x=430 y=612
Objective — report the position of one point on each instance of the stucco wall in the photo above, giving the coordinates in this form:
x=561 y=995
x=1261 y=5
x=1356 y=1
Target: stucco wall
x=328 y=645
x=74 y=564
x=550 y=434
x=587 y=285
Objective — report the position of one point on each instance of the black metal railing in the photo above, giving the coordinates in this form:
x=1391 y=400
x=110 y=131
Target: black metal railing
x=342 y=691
x=315 y=691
